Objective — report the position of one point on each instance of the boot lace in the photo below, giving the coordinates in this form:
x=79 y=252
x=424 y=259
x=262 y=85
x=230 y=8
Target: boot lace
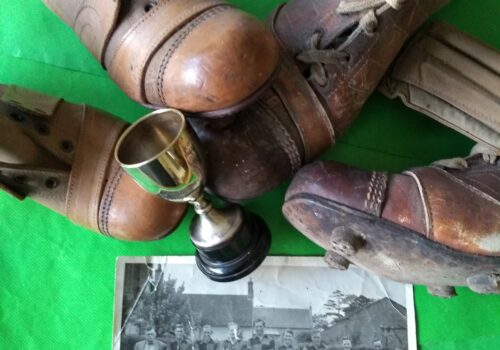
x=489 y=155
x=317 y=57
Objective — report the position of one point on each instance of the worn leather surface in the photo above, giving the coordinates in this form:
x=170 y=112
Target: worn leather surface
x=312 y=117
x=60 y=155
x=308 y=115
x=351 y=79
x=252 y=154
x=452 y=78
x=215 y=72
x=463 y=206
x=160 y=53
x=286 y=127
x=93 y=153
x=457 y=208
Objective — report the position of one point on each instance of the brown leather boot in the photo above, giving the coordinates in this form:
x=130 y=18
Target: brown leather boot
x=437 y=225
x=61 y=155
x=200 y=56
x=262 y=146
x=331 y=62
x=344 y=47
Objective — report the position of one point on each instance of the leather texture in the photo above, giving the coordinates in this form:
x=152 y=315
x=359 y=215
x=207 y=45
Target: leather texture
x=239 y=152
x=296 y=120
x=60 y=155
x=453 y=78
x=342 y=58
x=159 y=52
x=307 y=113
x=453 y=211
x=286 y=127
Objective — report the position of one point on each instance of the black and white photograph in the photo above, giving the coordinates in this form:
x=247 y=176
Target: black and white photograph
x=289 y=303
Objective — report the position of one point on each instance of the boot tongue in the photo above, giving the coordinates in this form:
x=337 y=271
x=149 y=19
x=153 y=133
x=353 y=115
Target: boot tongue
x=29 y=101
x=24 y=128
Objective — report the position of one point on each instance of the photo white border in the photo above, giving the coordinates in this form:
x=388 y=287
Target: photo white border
x=299 y=261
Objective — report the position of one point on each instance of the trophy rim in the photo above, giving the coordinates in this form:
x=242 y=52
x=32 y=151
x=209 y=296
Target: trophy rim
x=132 y=126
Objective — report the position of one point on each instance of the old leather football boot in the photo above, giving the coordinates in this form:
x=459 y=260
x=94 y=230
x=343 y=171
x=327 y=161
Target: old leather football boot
x=333 y=56
x=200 y=56
x=61 y=155
x=437 y=225
x=262 y=146
x=343 y=48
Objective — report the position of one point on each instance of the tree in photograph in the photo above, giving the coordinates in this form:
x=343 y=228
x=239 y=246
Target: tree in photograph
x=320 y=321
x=355 y=303
x=340 y=305
x=333 y=311
x=172 y=305
x=334 y=305
x=162 y=303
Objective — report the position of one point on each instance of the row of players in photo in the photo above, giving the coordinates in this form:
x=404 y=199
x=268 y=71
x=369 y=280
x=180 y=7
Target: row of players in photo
x=234 y=341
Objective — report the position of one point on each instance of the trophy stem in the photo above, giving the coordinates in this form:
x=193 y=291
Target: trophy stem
x=230 y=243
x=201 y=204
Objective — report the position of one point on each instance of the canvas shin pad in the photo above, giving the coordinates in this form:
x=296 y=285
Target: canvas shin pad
x=454 y=79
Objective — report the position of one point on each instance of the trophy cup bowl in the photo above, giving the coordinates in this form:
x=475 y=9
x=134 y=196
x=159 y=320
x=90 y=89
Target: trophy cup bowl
x=161 y=153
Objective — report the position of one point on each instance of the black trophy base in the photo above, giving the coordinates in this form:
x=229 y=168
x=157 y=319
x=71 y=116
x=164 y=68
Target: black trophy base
x=244 y=259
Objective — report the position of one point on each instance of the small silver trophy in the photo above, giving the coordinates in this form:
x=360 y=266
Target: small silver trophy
x=161 y=153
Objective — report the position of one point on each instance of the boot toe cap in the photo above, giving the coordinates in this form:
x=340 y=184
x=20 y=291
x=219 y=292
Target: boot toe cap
x=219 y=64
x=135 y=215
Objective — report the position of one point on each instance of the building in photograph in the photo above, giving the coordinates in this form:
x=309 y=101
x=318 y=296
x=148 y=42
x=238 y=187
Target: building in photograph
x=219 y=310
x=379 y=325
x=279 y=319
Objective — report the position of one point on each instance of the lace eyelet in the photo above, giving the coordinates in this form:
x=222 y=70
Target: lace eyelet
x=319 y=31
x=17 y=117
x=346 y=59
x=149 y=6
x=42 y=129
x=66 y=146
x=371 y=31
x=51 y=183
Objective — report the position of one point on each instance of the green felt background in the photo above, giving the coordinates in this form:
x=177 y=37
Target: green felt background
x=57 y=279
